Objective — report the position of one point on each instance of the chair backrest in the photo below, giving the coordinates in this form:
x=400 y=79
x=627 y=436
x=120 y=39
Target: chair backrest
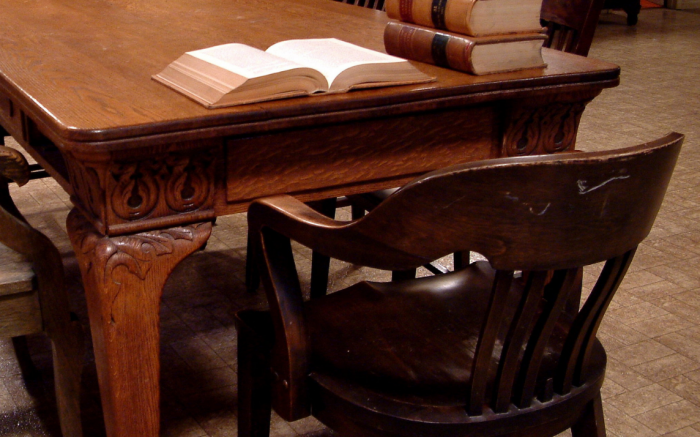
x=545 y=215
x=571 y=24
x=369 y=4
x=549 y=216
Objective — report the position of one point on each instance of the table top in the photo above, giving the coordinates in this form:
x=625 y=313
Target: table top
x=87 y=81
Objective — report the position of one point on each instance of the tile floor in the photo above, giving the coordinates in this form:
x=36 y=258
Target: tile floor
x=651 y=332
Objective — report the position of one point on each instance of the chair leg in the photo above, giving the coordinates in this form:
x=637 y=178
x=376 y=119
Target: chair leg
x=26 y=365
x=254 y=386
x=461 y=260
x=592 y=422
x=68 y=361
x=252 y=275
x=356 y=212
x=320 y=264
x=400 y=275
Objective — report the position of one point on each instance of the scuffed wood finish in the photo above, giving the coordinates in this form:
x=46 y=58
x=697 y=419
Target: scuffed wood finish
x=124 y=278
x=481 y=351
x=38 y=302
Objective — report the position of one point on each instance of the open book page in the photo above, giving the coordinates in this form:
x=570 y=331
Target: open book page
x=231 y=74
x=332 y=57
x=245 y=60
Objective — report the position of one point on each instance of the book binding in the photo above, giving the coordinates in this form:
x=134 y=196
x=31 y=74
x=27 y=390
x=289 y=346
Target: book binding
x=453 y=51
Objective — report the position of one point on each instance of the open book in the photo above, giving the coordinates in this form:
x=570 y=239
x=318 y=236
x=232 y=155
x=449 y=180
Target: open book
x=234 y=74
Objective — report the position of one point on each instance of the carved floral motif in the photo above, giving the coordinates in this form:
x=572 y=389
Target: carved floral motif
x=135 y=253
x=128 y=191
x=87 y=185
x=136 y=192
x=544 y=129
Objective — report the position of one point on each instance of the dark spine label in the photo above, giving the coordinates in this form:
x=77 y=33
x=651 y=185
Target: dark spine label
x=437 y=12
x=439 y=50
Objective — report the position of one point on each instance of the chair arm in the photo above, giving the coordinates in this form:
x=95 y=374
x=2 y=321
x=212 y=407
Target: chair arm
x=335 y=239
x=13 y=165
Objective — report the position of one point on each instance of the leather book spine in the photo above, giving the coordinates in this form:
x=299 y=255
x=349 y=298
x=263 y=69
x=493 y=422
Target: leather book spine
x=452 y=15
x=429 y=46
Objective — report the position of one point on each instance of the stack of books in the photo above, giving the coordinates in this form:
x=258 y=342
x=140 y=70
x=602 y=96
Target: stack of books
x=475 y=36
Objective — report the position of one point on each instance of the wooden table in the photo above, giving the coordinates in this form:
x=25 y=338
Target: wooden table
x=148 y=170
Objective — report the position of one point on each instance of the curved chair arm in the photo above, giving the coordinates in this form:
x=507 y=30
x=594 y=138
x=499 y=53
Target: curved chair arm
x=272 y=223
x=13 y=167
x=336 y=239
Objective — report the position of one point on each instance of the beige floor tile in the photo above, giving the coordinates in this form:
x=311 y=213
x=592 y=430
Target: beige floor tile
x=621 y=424
x=685 y=432
x=666 y=367
x=684 y=387
x=645 y=399
x=671 y=417
x=641 y=352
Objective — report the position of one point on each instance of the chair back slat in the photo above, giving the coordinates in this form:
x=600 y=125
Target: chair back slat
x=517 y=337
x=556 y=296
x=587 y=346
x=481 y=367
x=576 y=350
x=571 y=24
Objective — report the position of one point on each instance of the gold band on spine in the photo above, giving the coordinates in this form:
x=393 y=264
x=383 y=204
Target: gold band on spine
x=406 y=10
x=406 y=41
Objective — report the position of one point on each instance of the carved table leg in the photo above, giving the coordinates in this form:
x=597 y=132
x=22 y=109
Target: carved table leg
x=124 y=278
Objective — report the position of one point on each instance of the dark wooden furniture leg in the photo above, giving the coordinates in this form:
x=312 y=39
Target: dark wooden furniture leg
x=320 y=264
x=592 y=423
x=255 y=389
x=26 y=365
x=124 y=278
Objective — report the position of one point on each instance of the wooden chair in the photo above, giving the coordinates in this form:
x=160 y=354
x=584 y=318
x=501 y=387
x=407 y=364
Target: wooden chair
x=571 y=24
x=477 y=352
x=33 y=298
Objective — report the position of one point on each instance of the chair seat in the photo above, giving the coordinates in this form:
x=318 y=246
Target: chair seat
x=20 y=311
x=360 y=334
x=16 y=275
x=412 y=415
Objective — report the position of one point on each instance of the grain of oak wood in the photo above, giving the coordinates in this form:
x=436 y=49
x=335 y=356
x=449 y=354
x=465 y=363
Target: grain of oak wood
x=145 y=165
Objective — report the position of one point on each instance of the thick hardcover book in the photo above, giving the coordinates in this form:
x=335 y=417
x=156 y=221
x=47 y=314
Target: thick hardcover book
x=470 y=17
x=476 y=55
x=235 y=74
